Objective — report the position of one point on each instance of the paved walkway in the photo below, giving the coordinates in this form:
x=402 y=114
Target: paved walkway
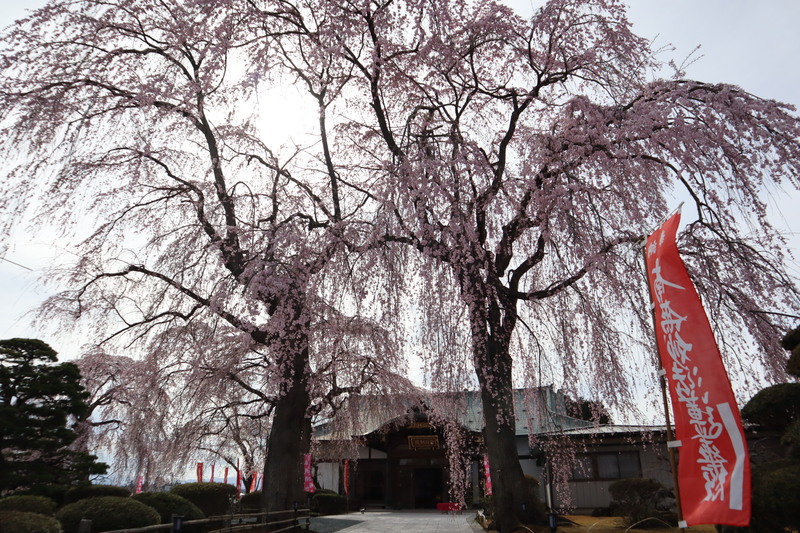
x=397 y=522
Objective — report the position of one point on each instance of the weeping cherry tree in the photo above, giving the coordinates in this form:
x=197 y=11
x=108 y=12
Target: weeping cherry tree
x=145 y=130
x=516 y=164
x=526 y=160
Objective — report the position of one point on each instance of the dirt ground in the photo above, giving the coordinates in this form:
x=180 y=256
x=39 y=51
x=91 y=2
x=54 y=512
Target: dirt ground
x=614 y=525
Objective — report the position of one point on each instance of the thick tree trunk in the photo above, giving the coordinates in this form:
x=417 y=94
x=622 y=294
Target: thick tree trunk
x=514 y=500
x=290 y=432
x=283 y=468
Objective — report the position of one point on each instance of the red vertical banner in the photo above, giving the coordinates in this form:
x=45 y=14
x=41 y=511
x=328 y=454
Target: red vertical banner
x=487 y=475
x=346 y=476
x=253 y=482
x=199 y=472
x=226 y=475
x=213 y=466
x=139 y=484
x=308 y=478
x=714 y=466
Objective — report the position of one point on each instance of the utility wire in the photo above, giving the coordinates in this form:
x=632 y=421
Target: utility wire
x=13 y=263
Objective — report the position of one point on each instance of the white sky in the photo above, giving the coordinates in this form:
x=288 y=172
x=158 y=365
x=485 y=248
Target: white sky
x=751 y=43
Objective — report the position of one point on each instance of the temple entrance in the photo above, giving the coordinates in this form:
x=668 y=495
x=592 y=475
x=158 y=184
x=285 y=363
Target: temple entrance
x=370 y=482
x=428 y=487
x=404 y=466
x=420 y=483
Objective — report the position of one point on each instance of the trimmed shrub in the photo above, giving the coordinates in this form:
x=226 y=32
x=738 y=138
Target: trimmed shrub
x=791 y=438
x=637 y=499
x=793 y=366
x=791 y=340
x=53 y=491
x=328 y=503
x=775 y=407
x=251 y=500
x=83 y=492
x=168 y=504
x=107 y=513
x=22 y=522
x=212 y=498
x=776 y=497
x=29 y=504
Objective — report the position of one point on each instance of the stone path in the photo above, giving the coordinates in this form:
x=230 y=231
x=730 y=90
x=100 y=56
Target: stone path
x=397 y=522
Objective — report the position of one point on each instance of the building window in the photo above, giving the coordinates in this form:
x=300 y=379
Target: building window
x=603 y=466
x=583 y=468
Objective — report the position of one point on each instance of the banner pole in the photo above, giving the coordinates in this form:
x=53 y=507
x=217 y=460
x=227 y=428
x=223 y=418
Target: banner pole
x=662 y=378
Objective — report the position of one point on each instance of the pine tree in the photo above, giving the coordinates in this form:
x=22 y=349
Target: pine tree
x=39 y=400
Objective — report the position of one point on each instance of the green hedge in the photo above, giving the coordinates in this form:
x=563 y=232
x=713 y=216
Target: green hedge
x=637 y=499
x=50 y=490
x=107 y=513
x=22 y=522
x=83 y=492
x=251 y=500
x=168 y=504
x=793 y=366
x=775 y=407
x=791 y=438
x=29 y=504
x=328 y=503
x=791 y=340
x=776 y=497
x=212 y=498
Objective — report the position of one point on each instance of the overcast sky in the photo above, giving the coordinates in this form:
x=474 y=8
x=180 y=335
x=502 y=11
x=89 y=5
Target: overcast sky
x=753 y=44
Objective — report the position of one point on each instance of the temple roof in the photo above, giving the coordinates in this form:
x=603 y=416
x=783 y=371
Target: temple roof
x=537 y=410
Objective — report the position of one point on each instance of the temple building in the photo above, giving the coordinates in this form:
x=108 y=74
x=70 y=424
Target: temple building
x=402 y=450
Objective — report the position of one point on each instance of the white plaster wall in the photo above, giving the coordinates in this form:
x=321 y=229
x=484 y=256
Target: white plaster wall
x=328 y=475
x=584 y=496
